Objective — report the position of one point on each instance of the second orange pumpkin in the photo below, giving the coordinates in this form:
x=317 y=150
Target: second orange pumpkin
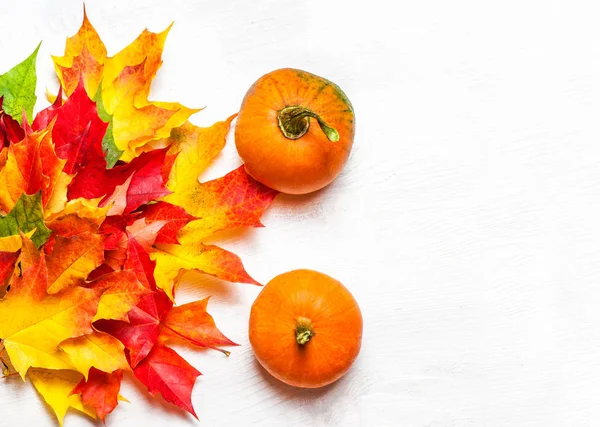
x=305 y=328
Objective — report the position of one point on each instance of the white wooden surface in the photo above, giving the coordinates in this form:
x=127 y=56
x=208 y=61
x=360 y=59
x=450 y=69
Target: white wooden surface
x=466 y=222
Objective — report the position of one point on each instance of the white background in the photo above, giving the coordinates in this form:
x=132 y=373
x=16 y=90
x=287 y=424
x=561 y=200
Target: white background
x=466 y=222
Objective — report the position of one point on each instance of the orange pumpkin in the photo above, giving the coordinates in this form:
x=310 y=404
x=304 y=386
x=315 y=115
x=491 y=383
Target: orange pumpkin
x=305 y=328
x=294 y=131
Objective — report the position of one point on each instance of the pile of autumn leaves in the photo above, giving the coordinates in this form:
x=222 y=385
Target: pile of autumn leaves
x=101 y=211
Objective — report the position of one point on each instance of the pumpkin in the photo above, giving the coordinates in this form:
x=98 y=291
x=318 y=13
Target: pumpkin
x=305 y=328
x=294 y=131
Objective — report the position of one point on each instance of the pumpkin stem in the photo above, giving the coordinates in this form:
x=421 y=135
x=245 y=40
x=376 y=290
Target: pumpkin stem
x=304 y=331
x=294 y=122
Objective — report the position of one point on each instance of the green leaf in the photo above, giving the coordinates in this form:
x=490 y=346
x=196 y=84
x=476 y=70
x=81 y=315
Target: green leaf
x=112 y=152
x=18 y=88
x=27 y=215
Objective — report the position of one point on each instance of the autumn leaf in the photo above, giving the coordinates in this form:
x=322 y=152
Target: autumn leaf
x=166 y=372
x=146 y=48
x=173 y=260
x=140 y=334
x=22 y=173
x=147 y=182
x=78 y=132
x=117 y=201
x=95 y=350
x=191 y=323
x=85 y=54
x=100 y=391
x=73 y=259
x=31 y=337
x=27 y=215
x=196 y=148
x=136 y=124
x=17 y=86
x=121 y=291
x=235 y=200
x=55 y=387
x=71 y=224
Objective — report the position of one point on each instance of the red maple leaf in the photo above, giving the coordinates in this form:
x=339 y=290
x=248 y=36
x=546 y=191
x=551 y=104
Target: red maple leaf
x=166 y=372
x=100 y=391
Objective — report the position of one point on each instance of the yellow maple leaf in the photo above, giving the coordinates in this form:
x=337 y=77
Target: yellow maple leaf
x=147 y=48
x=197 y=147
x=172 y=260
x=35 y=323
x=55 y=387
x=136 y=121
x=84 y=56
x=99 y=350
x=121 y=290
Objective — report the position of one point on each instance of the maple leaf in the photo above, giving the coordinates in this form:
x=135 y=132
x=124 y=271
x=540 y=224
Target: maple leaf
x=84 y=55
x=96 y=350
x=137 y=123
x=76 y=217
x=27 y=215
x=17 y=86
x=146 y=48
x=191 y=323
x=173 y=260
x=147 y=182
x=121 y=291
x=196 y=148
x=235 y=200
x=141 y=333
x=55 y=387
x=31 y=165
x=70 y=225
x=78 y=131
x=73 y=259
x=22 y=172
x=100 y=391
x=166 y=372
x=31 y=337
